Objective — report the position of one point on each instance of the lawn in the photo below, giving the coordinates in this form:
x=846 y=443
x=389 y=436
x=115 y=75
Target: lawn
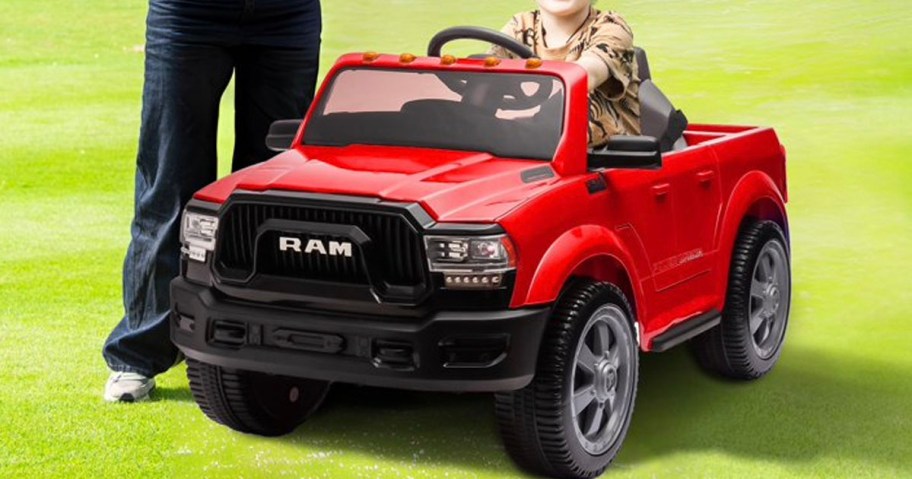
x=832 y=76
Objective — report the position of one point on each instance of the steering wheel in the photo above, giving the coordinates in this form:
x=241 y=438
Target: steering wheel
x=477 y=33
x=514 y=97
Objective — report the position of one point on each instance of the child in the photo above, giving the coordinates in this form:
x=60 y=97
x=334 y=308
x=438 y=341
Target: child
x=600 y=42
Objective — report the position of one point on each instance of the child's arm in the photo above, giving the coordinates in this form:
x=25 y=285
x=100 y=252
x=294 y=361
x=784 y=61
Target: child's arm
x=609 y=58
x=596 y=68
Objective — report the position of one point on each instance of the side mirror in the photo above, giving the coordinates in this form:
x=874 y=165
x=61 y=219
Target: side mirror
x=281 y=134
x=631 y=152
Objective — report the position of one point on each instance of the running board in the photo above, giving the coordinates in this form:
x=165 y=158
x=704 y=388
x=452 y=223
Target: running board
x=685 y=330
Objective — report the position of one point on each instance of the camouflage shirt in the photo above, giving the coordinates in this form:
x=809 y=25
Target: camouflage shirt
x=614 y=108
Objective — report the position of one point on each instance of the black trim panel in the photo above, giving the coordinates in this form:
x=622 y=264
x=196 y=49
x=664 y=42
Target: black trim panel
x=685 y=330
x=537 y=174
x=596 y=185
x=360 y=349
x=465 y=229
x=419 y=216
x=200 y=206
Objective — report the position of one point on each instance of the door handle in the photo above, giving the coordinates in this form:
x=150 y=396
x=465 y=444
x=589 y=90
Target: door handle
x=705 y=176
x=661 y=190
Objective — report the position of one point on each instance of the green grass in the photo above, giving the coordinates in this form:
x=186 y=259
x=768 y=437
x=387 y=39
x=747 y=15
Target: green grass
x=833 y=78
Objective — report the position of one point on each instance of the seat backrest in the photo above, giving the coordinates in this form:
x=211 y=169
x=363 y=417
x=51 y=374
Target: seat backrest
x=658 y=117
x=642 y=63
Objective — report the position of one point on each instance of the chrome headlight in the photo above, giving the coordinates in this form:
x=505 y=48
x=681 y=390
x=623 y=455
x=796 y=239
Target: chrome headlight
x=471 y=262
x=198 y=232
x=468 y=254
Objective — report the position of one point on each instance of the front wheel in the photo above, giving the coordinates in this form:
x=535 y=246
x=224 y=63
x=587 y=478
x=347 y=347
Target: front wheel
x=255 y=403
x=571 y=420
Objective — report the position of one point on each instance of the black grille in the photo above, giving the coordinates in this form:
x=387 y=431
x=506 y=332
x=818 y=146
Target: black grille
x=324 y=267
x=395 y=245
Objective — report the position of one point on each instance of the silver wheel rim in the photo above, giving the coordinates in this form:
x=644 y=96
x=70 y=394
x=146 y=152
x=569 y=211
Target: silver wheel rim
x=602 y=380
x=770 y=293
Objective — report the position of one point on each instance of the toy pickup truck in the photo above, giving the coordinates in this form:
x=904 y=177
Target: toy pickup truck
x=439 y=223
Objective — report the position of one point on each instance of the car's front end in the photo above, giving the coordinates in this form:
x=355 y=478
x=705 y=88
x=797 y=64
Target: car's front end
x=354 y=290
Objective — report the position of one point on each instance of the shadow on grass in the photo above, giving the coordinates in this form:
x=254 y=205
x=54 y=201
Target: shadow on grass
x=810 y=406
x=172 y=394
x=414 y=427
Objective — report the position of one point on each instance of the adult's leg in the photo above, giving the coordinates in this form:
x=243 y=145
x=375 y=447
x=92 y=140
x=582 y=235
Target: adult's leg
x=276 y=73
x=177 y=156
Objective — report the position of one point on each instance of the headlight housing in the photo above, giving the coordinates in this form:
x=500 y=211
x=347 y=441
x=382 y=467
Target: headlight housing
x=198 y=231
x=471 y=262
x=466 y=254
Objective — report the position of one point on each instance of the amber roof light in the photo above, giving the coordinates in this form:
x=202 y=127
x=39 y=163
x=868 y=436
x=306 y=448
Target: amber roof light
x=407 y=58
x=491 y=62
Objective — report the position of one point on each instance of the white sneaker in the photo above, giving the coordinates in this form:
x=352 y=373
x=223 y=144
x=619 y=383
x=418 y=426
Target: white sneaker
x=128 y=387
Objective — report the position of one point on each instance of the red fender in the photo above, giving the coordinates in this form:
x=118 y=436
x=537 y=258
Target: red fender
x=753 y=188
x=571 y=250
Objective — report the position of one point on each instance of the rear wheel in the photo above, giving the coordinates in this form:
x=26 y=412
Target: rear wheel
x=748 y=341
x=572 y=419
x=252 y=402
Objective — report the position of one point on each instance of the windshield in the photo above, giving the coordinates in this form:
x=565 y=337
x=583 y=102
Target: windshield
x=505 y=114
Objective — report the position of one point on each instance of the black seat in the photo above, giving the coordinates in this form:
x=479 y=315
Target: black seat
x=642 y=63
x=658 y=117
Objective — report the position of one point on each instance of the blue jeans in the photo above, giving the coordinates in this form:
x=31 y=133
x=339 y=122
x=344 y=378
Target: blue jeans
x=192 y=48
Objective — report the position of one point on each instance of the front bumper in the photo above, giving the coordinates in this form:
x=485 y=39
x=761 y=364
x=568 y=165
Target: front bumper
x=445 y=351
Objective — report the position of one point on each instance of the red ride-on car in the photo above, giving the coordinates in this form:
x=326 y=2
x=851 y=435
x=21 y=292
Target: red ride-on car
x=438 y=224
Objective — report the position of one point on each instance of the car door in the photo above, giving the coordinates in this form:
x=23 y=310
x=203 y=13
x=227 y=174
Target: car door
x=642 y=207
x=697 y=206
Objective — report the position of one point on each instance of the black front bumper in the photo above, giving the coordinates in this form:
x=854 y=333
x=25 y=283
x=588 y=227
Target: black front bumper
x=445 y=351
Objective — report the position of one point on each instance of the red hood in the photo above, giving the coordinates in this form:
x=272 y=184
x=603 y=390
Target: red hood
x=452 y=186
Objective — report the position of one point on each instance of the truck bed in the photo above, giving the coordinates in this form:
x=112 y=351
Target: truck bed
x=700 y=134
x=740 y=149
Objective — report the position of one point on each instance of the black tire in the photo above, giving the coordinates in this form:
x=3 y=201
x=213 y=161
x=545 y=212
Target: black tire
x=736 y=349
x=538 y=424
x=254 y=403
